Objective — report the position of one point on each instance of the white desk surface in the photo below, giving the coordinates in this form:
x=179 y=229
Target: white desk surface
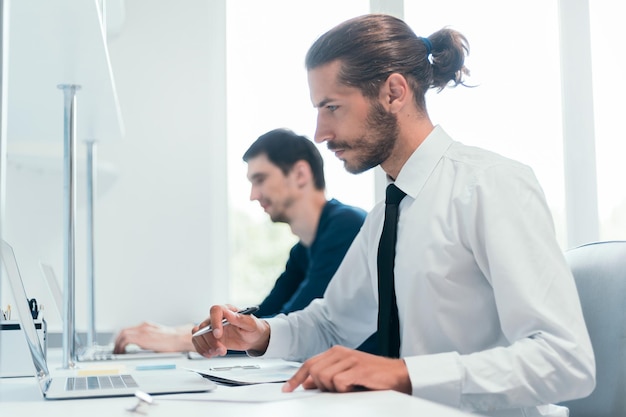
x=22 y=397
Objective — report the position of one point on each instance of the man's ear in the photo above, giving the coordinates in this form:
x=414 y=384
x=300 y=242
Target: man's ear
x=301 y=171
x=396 y=92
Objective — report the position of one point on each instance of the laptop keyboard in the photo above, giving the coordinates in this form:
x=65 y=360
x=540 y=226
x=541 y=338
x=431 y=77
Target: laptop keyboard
x=97 y=353
x=100 y=382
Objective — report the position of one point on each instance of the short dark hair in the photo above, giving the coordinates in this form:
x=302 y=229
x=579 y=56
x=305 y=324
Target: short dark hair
x=284 y=148
x=374 y=46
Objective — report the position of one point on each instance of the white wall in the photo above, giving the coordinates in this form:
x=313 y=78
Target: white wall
x=160 y=252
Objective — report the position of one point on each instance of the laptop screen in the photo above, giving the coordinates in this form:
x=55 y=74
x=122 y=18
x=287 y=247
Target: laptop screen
x=113 y=385
x=23 y=309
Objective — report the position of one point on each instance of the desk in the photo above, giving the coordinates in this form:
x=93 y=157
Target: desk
x=21 y=397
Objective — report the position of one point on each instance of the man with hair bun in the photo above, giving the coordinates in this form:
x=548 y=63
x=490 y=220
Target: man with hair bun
x=477 y=308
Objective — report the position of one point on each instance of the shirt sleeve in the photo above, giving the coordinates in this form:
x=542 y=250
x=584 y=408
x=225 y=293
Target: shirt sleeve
x=346 y=315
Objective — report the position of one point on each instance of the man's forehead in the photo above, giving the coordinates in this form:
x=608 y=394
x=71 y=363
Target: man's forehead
x=323 y=82
x=324 y=85
x=259 y=165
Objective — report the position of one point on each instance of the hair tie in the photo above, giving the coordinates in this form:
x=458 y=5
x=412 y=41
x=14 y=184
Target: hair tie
x=428 y=45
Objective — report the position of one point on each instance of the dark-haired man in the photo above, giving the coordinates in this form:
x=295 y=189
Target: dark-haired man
x=286 y=172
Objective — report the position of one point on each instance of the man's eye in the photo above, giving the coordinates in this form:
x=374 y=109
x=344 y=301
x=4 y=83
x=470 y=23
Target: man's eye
x=332 y=108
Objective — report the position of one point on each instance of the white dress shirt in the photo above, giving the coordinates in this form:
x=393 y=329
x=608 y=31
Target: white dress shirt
x=490 y=319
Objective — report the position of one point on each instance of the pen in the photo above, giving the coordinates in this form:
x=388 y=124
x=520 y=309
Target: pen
x=225 y=322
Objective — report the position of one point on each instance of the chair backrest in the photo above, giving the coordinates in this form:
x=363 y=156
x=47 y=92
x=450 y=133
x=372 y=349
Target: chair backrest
x=600 y=273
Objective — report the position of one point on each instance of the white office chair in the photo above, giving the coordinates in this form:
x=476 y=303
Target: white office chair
x=600 y=273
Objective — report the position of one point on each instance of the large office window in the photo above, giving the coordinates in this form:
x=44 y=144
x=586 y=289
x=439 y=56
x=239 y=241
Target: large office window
x=514 y=107
x=267 y=88
x=609 y=109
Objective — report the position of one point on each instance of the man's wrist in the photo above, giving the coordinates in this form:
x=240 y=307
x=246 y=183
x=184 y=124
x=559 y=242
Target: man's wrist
x=184 y=337
x=259 y=348
x=404 y=381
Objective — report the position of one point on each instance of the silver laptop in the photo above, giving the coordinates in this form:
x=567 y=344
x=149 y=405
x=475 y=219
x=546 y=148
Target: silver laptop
x=74 y=386
x=96 y=352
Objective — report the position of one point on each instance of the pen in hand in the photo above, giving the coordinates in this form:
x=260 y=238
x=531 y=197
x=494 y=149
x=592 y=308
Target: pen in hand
x=209 y=328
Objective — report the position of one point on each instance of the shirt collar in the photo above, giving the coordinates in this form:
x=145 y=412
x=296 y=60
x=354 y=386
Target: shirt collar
x=422 y=162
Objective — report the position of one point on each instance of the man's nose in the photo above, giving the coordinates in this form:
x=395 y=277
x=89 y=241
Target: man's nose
x=254 y=194
x=323 y=132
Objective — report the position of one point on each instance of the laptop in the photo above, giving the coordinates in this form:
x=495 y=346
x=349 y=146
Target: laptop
x=96 y=352
x=76 y=386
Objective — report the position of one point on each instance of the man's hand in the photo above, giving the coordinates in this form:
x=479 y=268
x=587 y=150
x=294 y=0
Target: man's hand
x=244 y=332
x=155 y=337
x=340 y=369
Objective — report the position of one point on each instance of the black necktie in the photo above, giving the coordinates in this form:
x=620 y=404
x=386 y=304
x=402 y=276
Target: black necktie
x=388 y=323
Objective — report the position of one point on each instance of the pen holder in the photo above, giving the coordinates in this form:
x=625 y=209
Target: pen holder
x=15 y=357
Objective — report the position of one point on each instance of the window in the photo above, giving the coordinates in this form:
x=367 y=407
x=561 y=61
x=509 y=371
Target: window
x=266 y=89
x=515 y=108
x=605 y=20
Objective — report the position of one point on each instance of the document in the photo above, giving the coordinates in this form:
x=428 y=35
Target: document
x=249 y=372
x=257 y=393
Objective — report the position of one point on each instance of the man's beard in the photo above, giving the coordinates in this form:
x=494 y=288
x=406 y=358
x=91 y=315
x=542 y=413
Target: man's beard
x=376 y=145
x=281 y=216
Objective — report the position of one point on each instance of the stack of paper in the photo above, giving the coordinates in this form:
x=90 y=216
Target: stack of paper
x=248 y=372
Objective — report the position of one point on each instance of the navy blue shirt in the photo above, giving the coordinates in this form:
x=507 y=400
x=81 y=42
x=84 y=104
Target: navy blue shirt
x=309 y=269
